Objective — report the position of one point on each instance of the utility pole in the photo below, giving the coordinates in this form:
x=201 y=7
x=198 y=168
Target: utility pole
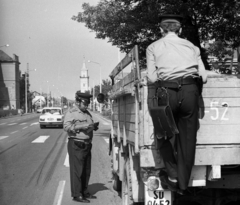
x=93 y=95
x=26 y=89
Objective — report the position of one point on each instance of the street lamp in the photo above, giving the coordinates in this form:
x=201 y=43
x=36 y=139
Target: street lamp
x=4 y=45
x=52 y=97
x=26 y=86
x=89 y=61
x=47 y=93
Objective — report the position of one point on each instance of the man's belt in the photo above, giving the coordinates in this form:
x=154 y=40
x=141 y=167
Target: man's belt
x=176 y=83
x=85 y=141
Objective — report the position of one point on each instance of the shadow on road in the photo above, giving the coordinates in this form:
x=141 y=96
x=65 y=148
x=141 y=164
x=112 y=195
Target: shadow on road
x=96 y=187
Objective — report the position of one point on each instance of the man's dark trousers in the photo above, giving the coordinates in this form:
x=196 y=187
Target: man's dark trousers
x=184 y=105
x=80 y=166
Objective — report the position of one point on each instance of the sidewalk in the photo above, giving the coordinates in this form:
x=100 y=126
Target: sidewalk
x=101 y=115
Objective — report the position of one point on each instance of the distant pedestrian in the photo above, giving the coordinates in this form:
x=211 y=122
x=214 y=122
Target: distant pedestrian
x=21 y=112
x=78 y=123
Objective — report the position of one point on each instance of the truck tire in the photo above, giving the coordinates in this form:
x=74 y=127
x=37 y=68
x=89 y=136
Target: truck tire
x=117 y=184
x=127 y=198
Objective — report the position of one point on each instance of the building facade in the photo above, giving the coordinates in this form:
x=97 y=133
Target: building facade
x=9 y=82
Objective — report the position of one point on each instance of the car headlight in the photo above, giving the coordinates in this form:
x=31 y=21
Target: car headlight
x=41 y=119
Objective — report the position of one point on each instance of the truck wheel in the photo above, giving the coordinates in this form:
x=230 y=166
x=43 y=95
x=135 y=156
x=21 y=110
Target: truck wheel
x=127 y=198
x=117 y=184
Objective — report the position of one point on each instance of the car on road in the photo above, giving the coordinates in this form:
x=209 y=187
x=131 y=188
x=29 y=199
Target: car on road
x=39 y=110
x=52 y=117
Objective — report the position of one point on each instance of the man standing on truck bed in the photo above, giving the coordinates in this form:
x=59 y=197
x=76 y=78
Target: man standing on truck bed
x=176 y=65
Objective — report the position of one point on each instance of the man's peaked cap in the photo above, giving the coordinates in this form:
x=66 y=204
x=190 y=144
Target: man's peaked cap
x=82 y=96
x=171 y=18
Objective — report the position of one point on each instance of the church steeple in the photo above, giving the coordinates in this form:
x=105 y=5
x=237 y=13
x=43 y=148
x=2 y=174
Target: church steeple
x=84 y=78
x=84 y=64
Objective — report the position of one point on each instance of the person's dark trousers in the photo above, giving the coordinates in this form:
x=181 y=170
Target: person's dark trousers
x=184 y=105
x=80 y=166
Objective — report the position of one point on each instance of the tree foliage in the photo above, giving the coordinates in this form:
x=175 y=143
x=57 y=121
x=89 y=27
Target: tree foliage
x=126 y=23
x=106 y=87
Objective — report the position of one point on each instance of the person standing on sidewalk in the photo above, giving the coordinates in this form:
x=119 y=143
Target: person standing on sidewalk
x=78 y=123
x=175 y=64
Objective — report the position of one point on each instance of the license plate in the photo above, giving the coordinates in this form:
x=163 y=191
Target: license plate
x=50 y=119
x=158 y=197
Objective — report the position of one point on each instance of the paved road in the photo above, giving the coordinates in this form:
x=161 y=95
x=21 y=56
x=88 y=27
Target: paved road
x=34 y=168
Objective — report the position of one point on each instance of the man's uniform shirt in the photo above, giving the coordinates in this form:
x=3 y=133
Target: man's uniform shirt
x=172 y=57
x=73 y=117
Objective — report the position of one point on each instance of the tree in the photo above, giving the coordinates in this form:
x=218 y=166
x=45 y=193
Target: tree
x=136 y=22
x=64 y=100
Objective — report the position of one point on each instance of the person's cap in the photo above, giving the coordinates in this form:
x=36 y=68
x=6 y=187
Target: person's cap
x=84 y=97
x=171 y=18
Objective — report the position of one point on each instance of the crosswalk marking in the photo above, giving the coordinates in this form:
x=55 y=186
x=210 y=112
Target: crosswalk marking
x=3 y=123
x=12 y=124
x=66 y=162
x=106 y=140
x=3 y=137
x=35 y=123
x=23 y=123
x=24 y=128
x=41 y=139
x=14 y=132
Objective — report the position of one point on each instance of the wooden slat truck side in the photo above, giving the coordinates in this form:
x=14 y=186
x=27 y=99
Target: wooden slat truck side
x=215 y=177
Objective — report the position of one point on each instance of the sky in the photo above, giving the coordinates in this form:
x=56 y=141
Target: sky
x=43 y=35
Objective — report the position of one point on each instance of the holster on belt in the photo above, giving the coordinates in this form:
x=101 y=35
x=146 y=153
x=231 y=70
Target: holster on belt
x=161 y=113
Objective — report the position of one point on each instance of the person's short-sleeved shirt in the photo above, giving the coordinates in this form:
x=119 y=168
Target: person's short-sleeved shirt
x=76 y=116
x=172 y=57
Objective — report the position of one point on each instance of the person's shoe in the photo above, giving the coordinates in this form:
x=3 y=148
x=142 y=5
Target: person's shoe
x=81 y=199
x=173 y=186
x=89 y=196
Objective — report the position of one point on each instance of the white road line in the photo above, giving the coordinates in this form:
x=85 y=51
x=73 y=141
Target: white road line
x=35 y=123
x=23 y=123
x=106 y=140
x=14 y=132
x=40 y=139
x=66 y=162
x=59 y=193
x=12 y=124
x=105 y=123
x=3 y=137
x=24 y=128
x=3 y=123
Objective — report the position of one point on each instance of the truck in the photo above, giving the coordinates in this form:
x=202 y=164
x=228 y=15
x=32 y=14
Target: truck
x=136 y=161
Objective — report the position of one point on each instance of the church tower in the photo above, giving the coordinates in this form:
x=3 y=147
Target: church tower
x=84 y=78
